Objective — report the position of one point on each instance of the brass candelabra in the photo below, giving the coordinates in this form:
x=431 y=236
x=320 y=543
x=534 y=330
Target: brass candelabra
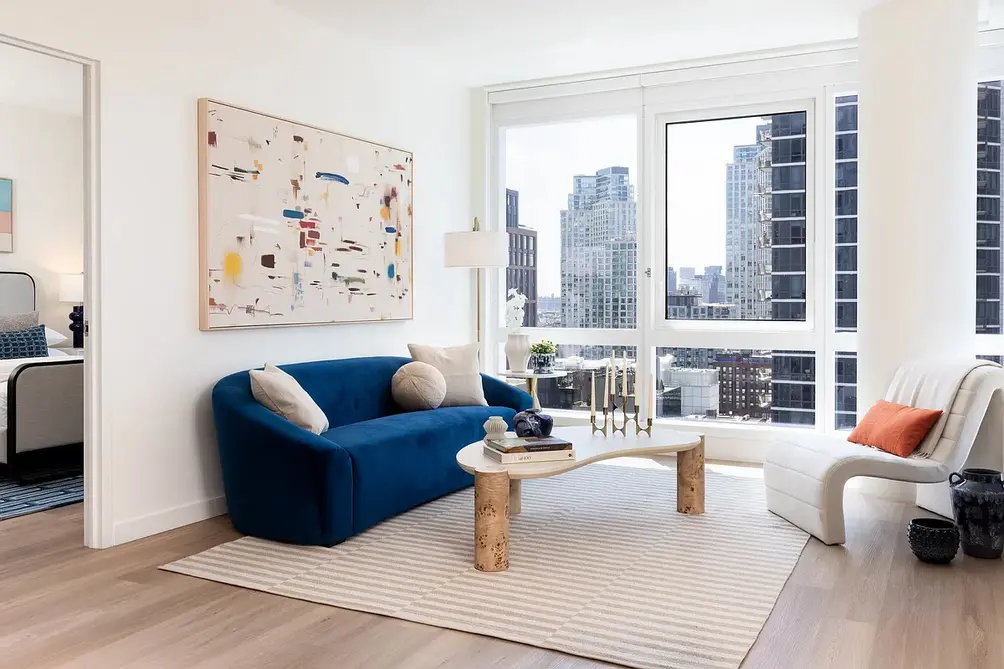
x=610 y=405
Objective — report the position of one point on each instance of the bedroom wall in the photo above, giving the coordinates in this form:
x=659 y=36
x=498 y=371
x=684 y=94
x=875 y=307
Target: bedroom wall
x=42 y=151
x=158 y=368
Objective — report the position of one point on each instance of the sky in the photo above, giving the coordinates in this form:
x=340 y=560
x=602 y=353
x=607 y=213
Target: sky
x=542 y=159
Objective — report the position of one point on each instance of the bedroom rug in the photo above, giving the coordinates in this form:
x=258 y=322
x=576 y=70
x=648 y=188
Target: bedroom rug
x=601 y=565
x=19 y=499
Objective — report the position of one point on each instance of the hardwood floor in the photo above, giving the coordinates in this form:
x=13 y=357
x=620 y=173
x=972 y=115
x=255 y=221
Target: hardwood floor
x=868 y=605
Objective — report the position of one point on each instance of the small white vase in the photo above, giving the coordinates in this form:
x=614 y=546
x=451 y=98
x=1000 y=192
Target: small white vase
x=517 y=350
x=495 y=427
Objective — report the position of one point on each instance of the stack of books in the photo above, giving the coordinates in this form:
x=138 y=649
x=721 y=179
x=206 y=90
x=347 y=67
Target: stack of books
x=518 y=450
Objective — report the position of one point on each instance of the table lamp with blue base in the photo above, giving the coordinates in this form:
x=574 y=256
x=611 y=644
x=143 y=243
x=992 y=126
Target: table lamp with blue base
x=71 y=289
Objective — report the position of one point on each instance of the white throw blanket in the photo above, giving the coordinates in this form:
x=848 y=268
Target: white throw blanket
x=931 y=384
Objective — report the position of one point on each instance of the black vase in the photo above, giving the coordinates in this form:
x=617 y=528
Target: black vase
x=532 y=423
x=978 y=504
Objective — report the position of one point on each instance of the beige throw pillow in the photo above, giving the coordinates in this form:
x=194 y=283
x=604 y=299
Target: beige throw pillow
x=280 y=393
x=418 y=386
x=459 y=366
x=19 y=322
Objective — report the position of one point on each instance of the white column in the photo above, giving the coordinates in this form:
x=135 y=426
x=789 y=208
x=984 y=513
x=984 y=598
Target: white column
x=917 y=190
x=917 y=187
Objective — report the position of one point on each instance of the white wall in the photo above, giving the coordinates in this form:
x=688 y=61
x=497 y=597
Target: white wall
x=158 y=368
x=43 y=152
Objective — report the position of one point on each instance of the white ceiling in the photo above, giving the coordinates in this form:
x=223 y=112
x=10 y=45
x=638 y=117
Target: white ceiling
x=483 y=42
x=30 y=79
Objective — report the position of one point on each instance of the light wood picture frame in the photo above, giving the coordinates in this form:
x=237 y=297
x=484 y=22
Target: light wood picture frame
x=6 y=215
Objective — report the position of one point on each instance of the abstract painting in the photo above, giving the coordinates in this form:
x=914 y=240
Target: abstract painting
x=298 y=225
x=6 y=215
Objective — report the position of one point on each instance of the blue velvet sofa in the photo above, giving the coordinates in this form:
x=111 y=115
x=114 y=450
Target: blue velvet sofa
x=287 y=484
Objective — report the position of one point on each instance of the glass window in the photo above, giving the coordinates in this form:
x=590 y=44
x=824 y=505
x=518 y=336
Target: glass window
x=988 y=261
x=847 y=146
x=847 y=286
x=846 y=378
x=847 y=258
x=847 y=174
x=789 y=259
x=789 y=205
x=571 y=203
x=847 y=117
x=788 y=286
x=988 y=209
x=988 y=101
x=788 y=151
x=789 y=232
x=988 y=287
x=988 y=234
x=736 y=217
x=847 y=316
x=572 y=392
x=988 y=130
x=988 y=156
x=988 y=182
x=847 y=202
x=740 y=385
x=847 y=230
x=789 y=177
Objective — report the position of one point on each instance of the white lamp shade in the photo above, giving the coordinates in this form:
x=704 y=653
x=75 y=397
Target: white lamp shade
x=482 y=248
x=71 y=288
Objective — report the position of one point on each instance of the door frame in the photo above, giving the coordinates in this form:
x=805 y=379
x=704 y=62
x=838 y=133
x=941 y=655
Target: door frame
x=98 y=522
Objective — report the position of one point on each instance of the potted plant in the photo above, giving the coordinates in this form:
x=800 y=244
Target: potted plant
x=517 y=345
x=542 y=356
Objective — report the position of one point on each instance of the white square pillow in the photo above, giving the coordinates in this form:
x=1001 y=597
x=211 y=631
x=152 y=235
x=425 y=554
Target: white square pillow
x=53 y=338
x=459 y=366
x=279 y=392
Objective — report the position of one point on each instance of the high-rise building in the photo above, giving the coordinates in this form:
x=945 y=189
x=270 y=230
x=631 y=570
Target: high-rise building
x=521 y=273
x=744 y=379
x=670 y=281
x=788 y=203
x=599 y=252
x=988 y=208
x=793 y=373
x=846 y=213
x=747 y=231
x=988 y=232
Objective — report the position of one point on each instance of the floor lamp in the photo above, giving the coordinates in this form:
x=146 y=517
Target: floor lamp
x=477 y=249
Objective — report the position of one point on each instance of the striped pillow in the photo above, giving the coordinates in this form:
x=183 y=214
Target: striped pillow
x=28 y=343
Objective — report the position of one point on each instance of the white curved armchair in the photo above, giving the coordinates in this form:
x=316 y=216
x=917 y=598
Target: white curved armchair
x=805 y=477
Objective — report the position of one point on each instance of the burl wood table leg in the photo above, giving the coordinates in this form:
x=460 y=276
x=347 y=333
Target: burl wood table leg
x=690 y=480
x=491 y=521
x=515 y=496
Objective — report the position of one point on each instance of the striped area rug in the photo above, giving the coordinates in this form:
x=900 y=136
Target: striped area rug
x=601 y=566
x=19 y=499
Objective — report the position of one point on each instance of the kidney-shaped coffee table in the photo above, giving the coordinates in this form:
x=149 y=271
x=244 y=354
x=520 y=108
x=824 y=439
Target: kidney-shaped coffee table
x=497 y=486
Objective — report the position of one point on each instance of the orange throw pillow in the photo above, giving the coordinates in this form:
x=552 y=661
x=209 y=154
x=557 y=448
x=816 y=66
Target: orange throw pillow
x=894 y=428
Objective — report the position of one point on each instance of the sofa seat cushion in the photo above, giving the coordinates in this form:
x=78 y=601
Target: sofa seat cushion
x=404 y=460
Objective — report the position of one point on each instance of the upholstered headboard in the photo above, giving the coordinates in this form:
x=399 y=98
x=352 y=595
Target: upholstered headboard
x=17 y=293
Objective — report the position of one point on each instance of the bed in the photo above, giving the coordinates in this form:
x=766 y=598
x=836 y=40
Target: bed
x=41 y=399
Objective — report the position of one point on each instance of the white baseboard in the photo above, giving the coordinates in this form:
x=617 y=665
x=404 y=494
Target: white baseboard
x=169 y=519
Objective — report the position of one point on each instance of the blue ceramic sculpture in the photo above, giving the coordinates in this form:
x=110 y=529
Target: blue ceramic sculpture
x=533 y=423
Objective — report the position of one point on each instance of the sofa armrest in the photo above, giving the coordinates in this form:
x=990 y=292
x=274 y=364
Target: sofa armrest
x=282 y=482
x=498 y=393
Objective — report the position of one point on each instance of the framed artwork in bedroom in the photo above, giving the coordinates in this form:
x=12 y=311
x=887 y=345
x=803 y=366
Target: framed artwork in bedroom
x=300 y=225
x=6 y=215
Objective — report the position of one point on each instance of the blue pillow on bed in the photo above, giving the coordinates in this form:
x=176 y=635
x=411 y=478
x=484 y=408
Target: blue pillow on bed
x=28 y=343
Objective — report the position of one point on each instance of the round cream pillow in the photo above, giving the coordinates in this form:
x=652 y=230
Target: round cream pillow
x=418 y=386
